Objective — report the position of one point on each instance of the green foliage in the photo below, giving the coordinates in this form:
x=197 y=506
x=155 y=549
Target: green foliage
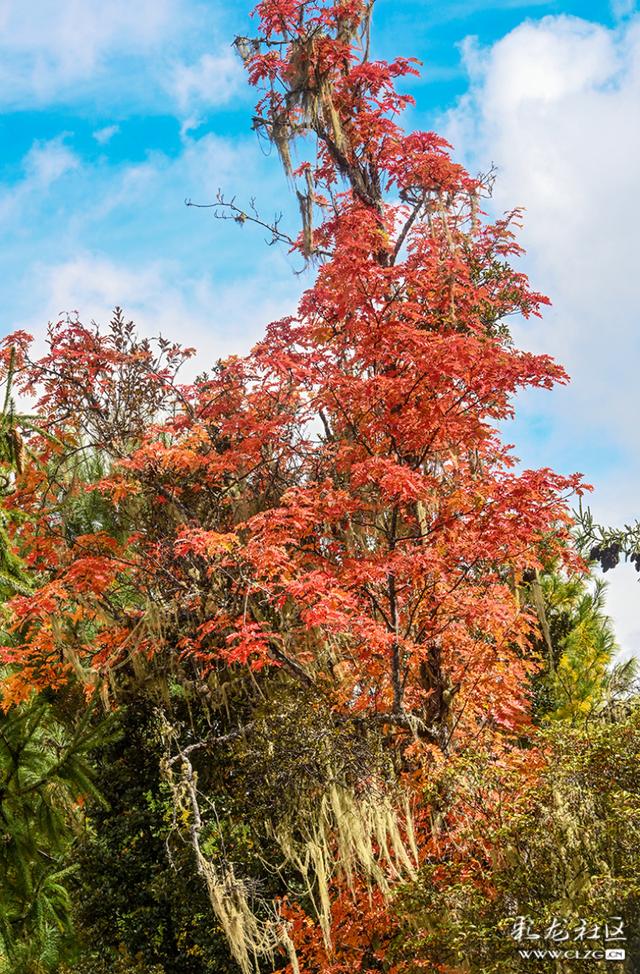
x=575 y=685
x=44 y=772
x=12 y=576
x=607 y=545
x=565 y=847
x=140 y=906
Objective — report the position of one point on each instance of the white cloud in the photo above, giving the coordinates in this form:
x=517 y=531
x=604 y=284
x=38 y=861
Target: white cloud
x=555 y=105
x=104 y=135
x=623 y=8
x=46 y=162
x=114 y=53
x=213 y=314
x=152 y=193
x=81 y=29
x=210 y=81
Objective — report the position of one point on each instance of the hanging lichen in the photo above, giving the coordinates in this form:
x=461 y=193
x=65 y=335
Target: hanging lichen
x=352 y=837
x=249 y=936
x=337 y=829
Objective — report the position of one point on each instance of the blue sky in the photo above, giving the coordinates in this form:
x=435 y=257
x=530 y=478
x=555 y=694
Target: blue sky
x=113 y=112
x=119 y=89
